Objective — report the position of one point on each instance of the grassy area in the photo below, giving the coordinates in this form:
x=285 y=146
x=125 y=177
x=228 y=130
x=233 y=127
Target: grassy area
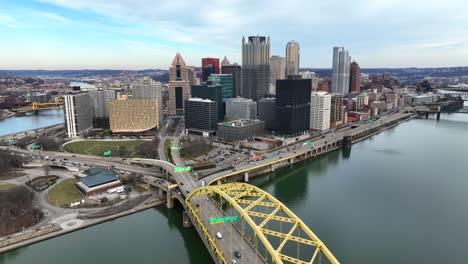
x=192 y=149
x=6 y=186
x=98 y=147
x=64 y=193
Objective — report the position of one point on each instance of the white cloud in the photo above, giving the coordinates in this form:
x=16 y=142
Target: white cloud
x=53 y=17
x=8 y=21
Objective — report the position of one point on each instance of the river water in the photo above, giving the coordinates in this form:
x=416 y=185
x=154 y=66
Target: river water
x=17 y=124
x=398 y=197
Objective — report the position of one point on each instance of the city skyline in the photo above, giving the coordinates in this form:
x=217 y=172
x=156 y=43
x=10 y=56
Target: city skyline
x=123 y=34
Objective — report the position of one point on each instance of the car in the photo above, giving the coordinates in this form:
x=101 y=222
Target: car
x=219 y=235
x=187 y=191
x=237 y=253
x=233 y=261
x=181 y=183
x=73 y=156
x=197 y=205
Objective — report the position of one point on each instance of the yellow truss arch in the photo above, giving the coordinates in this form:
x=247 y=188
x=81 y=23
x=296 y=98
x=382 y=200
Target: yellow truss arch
x=234 y=193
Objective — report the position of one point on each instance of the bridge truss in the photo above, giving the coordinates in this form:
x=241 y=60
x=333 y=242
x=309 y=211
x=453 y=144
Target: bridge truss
x=275 y=232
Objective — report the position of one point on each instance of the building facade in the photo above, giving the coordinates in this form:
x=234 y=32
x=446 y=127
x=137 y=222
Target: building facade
x=278 y=68
x=235 y=71
x=100 y=100
x=133 y=116
x=225 y=81
x=238 y=130
x=255 y=67
x=292 y=112
x=201 y=116
x=240 y=108
x=355 y=78
x=147 y=88
x=181 y=77
x=292 y=58
x=320 y=105
x=336 y=110
x=78 y=112
x=209 y=66
x=266 y=112
x=341 y=71
x=210 y=92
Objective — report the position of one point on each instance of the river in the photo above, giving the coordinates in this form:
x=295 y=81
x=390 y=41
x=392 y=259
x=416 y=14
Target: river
x=17 y=124
x=398 y=197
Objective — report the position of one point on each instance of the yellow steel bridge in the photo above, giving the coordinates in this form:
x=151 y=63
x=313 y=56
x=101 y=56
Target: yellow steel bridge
x=274 y=232
x=35 y=106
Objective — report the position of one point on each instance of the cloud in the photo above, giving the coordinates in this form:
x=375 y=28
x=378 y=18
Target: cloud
x=53 y=16
x=8 y=21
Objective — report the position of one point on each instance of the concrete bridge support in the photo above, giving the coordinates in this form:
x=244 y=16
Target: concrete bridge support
x=438 y=115
x=187 y=223
x=246 y=177
x=160 y=193
x=291 y=160
x=272 y=167
x=427 y=115
x=170 y=202
x=219 y=182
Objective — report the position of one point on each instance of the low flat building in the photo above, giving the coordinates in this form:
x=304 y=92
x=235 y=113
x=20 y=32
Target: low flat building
x=97 y=180
x=133 y=116
x=242 y=129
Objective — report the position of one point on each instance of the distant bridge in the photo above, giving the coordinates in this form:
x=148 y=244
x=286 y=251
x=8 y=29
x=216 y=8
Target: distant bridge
x=456 y=91
x=37 y=107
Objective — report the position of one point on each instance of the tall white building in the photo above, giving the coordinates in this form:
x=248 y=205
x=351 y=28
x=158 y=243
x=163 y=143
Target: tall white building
x=314 y=77
x=292 y=58
x=320 y=105
x=78 y=113
x=147 y=88
x=278 y=68
x=341 y=71
x=240 y=108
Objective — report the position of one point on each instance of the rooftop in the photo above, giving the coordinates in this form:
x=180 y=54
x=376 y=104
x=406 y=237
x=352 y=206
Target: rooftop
x=241 y=122
x=98 y=176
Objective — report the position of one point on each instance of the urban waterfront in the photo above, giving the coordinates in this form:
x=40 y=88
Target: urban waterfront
x=398 y=197
x=45 y=118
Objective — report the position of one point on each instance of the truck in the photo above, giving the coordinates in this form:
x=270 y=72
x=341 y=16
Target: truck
x=255 y=158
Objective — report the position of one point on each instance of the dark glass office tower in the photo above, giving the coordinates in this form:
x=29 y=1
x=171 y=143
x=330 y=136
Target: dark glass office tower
x=211 y=92
x=292 y=116
x=255 y=67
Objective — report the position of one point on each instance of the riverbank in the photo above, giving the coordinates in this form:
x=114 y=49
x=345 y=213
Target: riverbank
x=6 y=114
x=49 y=231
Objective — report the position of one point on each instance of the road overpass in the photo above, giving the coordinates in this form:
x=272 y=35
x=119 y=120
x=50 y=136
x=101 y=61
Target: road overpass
x=37 y=132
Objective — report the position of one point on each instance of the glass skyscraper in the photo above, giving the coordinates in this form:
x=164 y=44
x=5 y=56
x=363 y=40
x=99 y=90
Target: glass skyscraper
x=255 y=67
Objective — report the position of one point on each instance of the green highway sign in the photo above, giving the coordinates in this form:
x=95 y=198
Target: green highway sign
x=371 y=122
x=221 y=220
x=36 y=147
x=107 y=153
x=182 y=169
x=174 y=148
x=309 y=143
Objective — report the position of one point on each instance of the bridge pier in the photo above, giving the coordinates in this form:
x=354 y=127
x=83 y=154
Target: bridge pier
x=291 y=160
x=160 y=193
x=438 y=115
x=427 y=115
x=166 y=174
x=187 y=223
x=272 y=167
x=170 y=202
x=246 y=177
x=218 y=182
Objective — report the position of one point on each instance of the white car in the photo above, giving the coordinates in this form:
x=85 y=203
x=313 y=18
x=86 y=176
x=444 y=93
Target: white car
x=219 y=235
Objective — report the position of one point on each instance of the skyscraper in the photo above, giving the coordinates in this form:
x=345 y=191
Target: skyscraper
x=209 y=66
x=78 y=112
x=147 y=88
x=180 y=79
x=236 y=71
x=210 y=92
x=240 y=108
x=100 y=101
x=225 y=81
x=278 y=68
x=201 y=116
x=292 y=58
x=341 y=71
x=336 y=110
x=320 y=110
x=255 y=67
x=355 y=78
x=225 y=62
x=292 y=106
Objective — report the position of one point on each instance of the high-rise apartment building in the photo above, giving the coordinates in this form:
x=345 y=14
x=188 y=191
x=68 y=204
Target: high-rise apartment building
x=147 y=88
x=225 y=81
x=210 y=92
x=292 y=58
x=336 y=110
x=236 y=71
x=201 y=116
x=240 y=108
x=78 y=112
x=181 y=77
x=100 y=101
x=209 y=66
x=255 y=67
x=278 y=68
x=340 y=71
x=292 y=106
x=320 y=105
x=355 y=78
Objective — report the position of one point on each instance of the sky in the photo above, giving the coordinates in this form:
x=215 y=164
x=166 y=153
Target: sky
x=146 y=34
